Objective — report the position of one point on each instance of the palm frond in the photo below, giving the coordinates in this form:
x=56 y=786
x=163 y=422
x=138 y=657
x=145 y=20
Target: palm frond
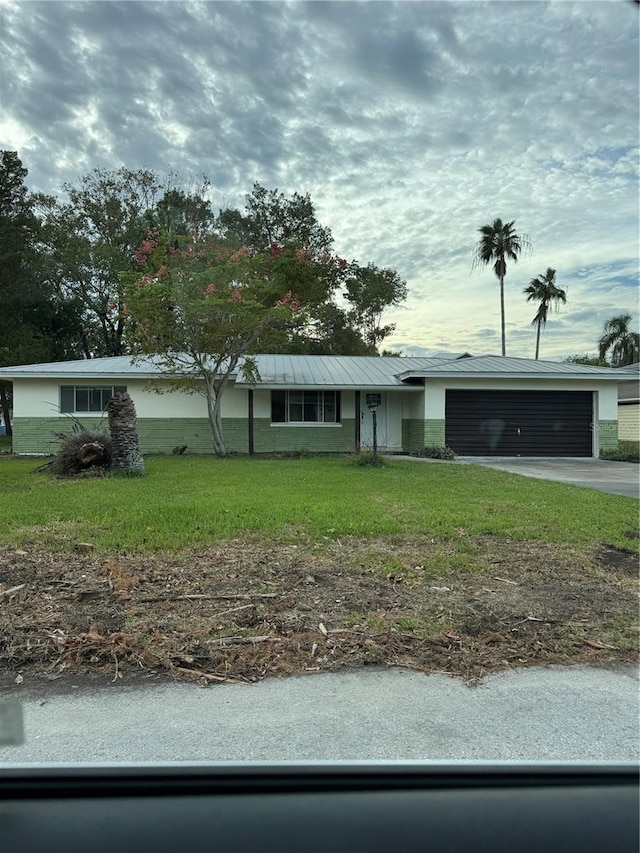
x=499 y=242
x=618 y=338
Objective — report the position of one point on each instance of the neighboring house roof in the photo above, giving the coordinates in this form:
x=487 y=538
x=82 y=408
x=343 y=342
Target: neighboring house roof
x=330 y=371
x=629 y=392
x=629 y=388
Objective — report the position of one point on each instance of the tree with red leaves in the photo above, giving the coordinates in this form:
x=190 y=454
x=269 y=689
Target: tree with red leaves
x=204 y=311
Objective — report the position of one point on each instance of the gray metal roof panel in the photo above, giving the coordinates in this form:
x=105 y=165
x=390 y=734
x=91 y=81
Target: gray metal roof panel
x=313 y=370
x=488 y=366
x=115 y=366
x=631 y=369
x=333 y=371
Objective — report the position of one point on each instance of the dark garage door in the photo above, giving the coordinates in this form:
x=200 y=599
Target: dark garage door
x=519 y=423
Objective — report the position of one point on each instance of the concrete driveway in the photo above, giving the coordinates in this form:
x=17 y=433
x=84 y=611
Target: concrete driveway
x=617 y=478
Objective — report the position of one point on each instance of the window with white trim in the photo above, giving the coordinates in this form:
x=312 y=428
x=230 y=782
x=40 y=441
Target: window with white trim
x=79 y=399
x=309 y=407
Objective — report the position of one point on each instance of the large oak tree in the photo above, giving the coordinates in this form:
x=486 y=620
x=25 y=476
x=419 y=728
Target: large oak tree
x=36 y=323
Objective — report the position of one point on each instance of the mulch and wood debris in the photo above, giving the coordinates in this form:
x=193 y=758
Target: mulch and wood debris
x=243 y=610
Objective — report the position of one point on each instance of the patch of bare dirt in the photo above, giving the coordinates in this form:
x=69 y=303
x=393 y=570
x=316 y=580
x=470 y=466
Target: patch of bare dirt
x=619 y=560
x=243 y=610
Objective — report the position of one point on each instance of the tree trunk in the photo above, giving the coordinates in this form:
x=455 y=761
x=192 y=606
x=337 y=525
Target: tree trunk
x=213 y=412
x=4 y=405
x=84 y=343
x=213 y=408
x=125 y=452
x=504 y=340
x=538 y=342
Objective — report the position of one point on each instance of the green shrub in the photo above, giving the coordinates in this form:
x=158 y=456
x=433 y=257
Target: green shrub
x=436 y=451
x=626 y=451
x=367 y=459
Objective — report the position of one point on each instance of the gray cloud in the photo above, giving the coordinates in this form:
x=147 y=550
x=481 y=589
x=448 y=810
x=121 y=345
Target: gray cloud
x=410 y=124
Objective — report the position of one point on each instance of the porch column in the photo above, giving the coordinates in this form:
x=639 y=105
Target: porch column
x=250 y=420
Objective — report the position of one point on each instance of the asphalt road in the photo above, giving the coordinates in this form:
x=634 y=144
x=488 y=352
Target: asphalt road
x=393 y=714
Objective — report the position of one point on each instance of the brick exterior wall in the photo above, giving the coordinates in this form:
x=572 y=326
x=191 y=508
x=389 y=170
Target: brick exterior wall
x=320 y=439
x=434 y=431
x=38 y=435
x=161 y=435
x=418 y=434
x=607 y=435
x=412 y=434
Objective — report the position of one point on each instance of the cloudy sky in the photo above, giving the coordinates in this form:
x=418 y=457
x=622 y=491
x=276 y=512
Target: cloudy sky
x=410 y=124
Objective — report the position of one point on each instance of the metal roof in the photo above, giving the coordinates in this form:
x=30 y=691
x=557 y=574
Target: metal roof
x=115 y=367
x=331 y=371
x=336 y=371
x=275 y=370
x=498 y=367
x=631 y=369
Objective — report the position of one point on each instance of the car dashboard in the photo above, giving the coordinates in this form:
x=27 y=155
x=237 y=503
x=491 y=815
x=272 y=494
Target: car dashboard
x=324 y=807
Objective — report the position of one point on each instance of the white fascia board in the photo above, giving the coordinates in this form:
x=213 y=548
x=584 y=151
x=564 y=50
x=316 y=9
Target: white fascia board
x=81 y=377
x=289 y=386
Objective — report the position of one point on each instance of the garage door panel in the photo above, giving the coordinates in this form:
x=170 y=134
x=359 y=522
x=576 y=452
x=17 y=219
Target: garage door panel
x=519 y=423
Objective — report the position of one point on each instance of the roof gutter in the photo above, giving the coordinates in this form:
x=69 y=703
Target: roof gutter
x=534 y=376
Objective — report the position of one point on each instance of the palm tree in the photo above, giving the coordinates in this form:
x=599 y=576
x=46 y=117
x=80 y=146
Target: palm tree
x=543 y=289
x=125 y=452
x=500 y=242
x=620 y=340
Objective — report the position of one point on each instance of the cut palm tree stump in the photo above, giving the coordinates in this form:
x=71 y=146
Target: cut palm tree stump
x=91 y=453
x=125 y=451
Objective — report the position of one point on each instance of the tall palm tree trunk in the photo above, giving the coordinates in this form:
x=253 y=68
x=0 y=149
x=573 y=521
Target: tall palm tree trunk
x=500 y=243
x=538 y=340
x=125 y=452
x=502 y=319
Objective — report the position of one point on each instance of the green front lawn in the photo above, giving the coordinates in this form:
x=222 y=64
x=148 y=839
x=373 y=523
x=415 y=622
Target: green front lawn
x=195 y=500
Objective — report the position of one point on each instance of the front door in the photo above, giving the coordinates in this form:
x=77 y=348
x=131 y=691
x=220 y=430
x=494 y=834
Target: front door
x=366 y=420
